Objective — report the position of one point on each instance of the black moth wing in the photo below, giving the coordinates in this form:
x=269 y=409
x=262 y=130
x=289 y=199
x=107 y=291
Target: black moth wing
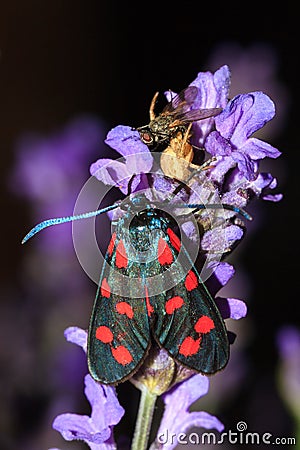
x=119 y=333
x=189 y=325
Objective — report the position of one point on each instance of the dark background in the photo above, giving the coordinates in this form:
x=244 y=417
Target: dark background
x=60 y=59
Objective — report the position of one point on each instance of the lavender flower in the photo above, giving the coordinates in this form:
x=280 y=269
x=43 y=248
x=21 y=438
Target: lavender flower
x=234 y=178
x=243 y=115
x=138 y=160
x=229 y=307
x=231 y=178
x=95 y=430
x=177 y=419
x=213 y=92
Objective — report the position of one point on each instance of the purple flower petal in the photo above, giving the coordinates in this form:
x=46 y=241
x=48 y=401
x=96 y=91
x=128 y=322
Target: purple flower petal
x=177 y=418
x=220 y=239
x=244 y=115
x=257 y=149
x=237 y=183
x=76 y=427
x=221 y=168
x=188 y=392
x=114 y=173
x=137 y=159
x=245 y=165
x=126 y=141
x=273 y=198
x=224 y=272
x=213 y=92
x=95 y=430
x=231 y=308
x=217 y=145
x=77 y=336
x=262 y=181
x=202 y=419
x=222 y=85
x=213 y=88
x=190 y=230
x=113 y=410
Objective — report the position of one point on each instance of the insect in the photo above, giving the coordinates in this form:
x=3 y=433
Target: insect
x=149 y=292
x=183 y=318
x=174 y=118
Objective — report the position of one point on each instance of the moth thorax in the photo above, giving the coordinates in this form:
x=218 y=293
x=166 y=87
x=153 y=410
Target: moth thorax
x=144 y=230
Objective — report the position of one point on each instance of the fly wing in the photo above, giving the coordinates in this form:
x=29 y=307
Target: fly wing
x=198 y=114
x=182 y=102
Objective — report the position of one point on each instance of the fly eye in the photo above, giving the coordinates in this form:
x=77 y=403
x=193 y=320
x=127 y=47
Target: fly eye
x=147 y=137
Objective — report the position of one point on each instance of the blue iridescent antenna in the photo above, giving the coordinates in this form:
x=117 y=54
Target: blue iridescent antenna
x=48 y=223
x=182 y=185
x=233 y=208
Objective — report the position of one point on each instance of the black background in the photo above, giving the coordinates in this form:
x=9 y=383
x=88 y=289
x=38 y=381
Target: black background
x=60 y=59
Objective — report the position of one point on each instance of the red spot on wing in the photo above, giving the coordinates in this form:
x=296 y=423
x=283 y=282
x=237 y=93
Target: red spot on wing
x=122 y=355
x=105 y=288
x=150 y=308
x=121 y=256
x=104 y=334
x=189 y=346
x=124 y=308
x=111 y=244
x=175 y=241
x=164 y=253
x=173 y=303
x=204 y=325
x=191 y=281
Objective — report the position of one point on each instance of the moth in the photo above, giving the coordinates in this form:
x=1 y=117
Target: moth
x=150 y=292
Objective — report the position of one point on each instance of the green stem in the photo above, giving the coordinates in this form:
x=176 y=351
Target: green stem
x=144 y=420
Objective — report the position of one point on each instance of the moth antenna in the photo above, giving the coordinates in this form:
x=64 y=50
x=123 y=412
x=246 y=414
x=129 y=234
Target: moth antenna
x=205 y=166
x=197 y=207
x=58 y=220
